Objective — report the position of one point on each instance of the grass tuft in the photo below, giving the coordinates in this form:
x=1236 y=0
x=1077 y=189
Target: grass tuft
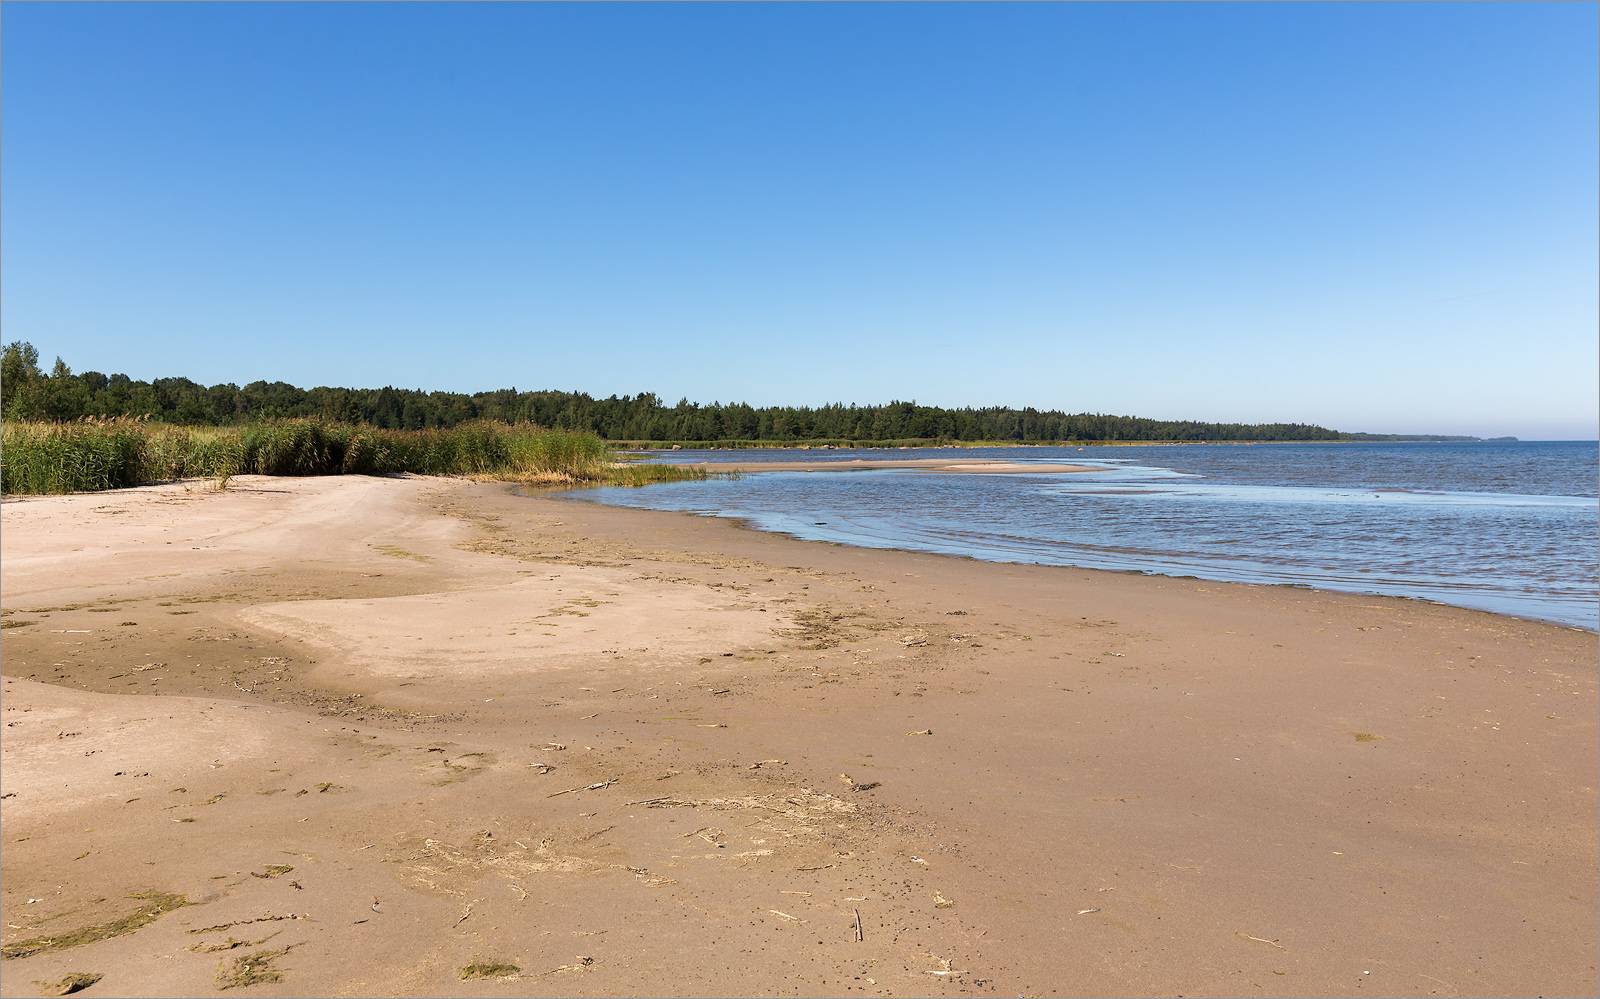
x=651 y=473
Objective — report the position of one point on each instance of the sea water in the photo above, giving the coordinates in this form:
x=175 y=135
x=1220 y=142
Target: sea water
x=1511 y=527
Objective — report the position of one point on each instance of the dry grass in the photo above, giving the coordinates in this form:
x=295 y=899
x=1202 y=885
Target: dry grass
x=252 y=969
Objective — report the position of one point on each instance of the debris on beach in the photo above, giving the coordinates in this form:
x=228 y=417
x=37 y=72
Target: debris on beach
x=583 y=962
x=252 y=969
x=75 y=982
x=230 y=944
x=157 y=905
x=590 y=787
x=711 y=834
x=489 y=969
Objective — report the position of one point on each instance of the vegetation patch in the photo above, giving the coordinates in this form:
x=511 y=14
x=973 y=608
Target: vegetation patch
x=90 y=455
x=252 y=969
x=636 y=474
x=489 y=969
x=157 y=904
x=75 y=982
x=87 y=455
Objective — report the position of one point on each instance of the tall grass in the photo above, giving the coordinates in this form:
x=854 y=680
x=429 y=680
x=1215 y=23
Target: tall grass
x=644 y=474
x=91 y=455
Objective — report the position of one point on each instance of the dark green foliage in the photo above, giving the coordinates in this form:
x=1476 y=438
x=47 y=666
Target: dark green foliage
x=30 y=394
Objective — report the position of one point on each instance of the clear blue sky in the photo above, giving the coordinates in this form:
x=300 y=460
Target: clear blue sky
x=1376 y=217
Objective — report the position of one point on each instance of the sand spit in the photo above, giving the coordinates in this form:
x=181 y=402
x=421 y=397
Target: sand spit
x=965 y=466
x=351 y=736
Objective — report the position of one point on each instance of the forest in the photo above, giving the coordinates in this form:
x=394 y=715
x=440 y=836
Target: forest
x=29 y=393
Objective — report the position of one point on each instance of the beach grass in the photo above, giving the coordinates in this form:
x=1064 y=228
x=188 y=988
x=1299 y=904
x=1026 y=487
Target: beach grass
x=89 y=455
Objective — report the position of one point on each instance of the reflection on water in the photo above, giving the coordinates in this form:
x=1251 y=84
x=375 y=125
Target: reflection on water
x=1513 y=528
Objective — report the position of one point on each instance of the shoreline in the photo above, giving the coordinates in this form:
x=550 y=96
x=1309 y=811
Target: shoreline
x=624 y=749
x=747 y=524
x=989 y=466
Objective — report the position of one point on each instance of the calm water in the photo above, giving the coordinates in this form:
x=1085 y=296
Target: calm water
x=1507 y=527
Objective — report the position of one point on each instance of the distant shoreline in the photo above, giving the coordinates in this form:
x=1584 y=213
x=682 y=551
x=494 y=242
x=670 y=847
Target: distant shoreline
x=31 y=393
x=945 y=444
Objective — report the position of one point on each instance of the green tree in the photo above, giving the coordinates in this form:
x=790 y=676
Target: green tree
x=19 y=378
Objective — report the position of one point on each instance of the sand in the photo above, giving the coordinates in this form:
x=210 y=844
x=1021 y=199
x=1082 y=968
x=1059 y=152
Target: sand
x=946 y=466
x=402 y=726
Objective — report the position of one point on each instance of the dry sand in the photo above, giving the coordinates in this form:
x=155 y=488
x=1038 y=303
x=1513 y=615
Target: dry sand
x=398 y=726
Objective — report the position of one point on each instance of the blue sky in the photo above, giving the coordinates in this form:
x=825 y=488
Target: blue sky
x=1373 y=217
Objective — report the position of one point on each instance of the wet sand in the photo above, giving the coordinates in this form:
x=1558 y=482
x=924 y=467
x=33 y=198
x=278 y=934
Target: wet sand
x=405 y=726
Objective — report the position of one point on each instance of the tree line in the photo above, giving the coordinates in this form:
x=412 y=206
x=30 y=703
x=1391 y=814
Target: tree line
x=29 y=393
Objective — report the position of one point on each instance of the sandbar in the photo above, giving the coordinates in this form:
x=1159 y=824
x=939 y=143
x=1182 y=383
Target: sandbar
x=948 y=466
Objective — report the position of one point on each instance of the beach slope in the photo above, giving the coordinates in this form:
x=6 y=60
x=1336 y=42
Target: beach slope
x=412 y=736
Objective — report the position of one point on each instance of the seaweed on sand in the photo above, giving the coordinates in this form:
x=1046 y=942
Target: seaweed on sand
x=157 y=904
x=489 y=969
x=252 y=969
x=75 y=982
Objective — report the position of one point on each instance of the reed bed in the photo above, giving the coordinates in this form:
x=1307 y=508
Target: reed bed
x=111 y=454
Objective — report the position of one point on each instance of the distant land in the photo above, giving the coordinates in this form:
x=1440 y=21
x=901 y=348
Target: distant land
x=29 y=393
x=1417 y=437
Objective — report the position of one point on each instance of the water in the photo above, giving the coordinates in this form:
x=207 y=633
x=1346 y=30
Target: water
x=1511 y=527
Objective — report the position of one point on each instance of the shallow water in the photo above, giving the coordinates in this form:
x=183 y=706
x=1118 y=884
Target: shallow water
x=1510 y=527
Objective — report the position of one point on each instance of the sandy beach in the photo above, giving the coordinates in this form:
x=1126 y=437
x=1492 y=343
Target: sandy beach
x=356 y=736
